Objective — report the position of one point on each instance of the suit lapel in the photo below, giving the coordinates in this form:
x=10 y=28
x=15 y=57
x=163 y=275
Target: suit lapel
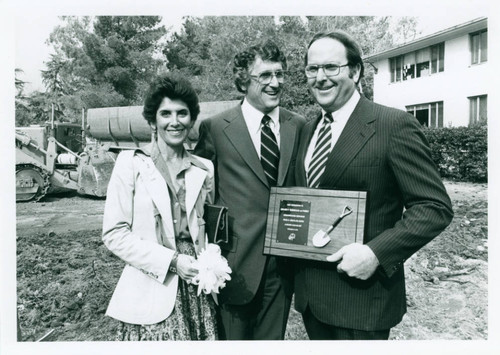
x=194 y=178
x=158 y=191
x=305 y=140
x=287 y=133
x=356 y=133
x=237 y=133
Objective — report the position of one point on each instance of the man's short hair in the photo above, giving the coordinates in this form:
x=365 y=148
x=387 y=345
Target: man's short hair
x=267 y=50
x=353 y=50
x=175 y=87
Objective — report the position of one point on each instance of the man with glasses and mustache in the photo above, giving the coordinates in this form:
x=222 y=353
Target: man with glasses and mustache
x=253 y=147
x=355 y=144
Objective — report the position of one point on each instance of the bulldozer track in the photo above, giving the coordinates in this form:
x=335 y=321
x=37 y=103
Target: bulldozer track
x=41 y=191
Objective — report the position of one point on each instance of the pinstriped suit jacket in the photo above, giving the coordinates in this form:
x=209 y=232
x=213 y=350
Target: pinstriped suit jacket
x=384 y=151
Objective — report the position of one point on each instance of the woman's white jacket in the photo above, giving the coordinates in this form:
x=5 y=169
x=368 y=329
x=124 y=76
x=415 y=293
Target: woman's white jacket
x=137 y=210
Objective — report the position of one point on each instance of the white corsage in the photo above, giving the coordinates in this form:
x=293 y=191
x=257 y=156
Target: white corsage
x=213 y=270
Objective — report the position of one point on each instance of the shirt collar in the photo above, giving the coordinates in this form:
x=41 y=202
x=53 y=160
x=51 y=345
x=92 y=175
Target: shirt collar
x=343 y=113
x=187 y=158
x=146 y=149
x=253 y=117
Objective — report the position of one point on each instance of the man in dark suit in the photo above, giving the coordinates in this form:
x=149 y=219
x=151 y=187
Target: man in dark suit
x=356 y=144
x=253 y=147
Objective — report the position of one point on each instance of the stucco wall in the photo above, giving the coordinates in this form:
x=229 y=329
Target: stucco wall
x=453 y=86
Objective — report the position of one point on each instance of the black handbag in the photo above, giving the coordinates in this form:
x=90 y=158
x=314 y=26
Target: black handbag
x=216 y=224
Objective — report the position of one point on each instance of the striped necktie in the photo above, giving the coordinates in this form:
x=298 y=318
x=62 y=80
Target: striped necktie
x=321 y=151
x=269 y=152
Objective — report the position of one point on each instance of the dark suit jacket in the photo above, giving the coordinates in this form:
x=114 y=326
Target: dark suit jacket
x=243 y=188
x=381 y=150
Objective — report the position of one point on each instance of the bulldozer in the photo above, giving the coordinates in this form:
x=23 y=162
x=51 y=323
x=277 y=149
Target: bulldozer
x=54 y=158
x=58 y=156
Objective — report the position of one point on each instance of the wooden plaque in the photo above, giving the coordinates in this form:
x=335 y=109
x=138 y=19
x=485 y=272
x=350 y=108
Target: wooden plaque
x=296 y=214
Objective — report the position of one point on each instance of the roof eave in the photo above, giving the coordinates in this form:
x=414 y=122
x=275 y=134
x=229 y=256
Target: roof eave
x=441 y=36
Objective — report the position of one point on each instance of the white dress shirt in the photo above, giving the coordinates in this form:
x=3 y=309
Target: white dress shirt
x=340 y=118
x=253 y=118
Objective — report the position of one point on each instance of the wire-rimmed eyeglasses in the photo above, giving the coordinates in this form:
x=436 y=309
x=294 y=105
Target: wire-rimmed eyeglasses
x=329 y=69
x=266 y=77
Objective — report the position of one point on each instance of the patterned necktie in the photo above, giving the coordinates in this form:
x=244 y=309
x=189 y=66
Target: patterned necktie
x=269 y=152
x=321 y=151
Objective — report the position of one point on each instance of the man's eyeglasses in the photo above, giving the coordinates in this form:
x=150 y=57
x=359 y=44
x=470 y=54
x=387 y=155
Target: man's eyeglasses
x=266 y=77
x=329 y=69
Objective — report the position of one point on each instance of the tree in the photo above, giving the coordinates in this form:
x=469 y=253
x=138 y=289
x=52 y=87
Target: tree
x=204 y=49
x=102 y=61
x=186 y=51
x=405 y=29
x=34 y=109
x=52 y=76
x=18 y=82
x=110 y=60
x=121 y=49
x=21 y=106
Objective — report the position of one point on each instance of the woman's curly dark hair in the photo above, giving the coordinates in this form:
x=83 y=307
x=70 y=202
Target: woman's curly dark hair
x=242 y=61
x=175 y=87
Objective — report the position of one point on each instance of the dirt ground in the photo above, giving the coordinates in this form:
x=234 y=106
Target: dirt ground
x=72 y=212
x=60 y=214
x=65 y=275
x=447 y=280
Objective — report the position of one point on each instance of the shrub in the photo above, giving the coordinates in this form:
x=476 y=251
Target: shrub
x=310 y=112
x=461 y=153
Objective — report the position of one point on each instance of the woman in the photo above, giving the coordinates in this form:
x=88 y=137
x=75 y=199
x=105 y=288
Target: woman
x=153 y=221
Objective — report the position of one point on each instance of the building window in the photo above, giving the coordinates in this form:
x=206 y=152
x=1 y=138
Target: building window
x=478 y=109
x=437 y=58
x=479 y=47
x=429 y=115
x=424 y=62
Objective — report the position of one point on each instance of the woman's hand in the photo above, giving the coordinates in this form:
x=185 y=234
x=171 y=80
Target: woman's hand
x=184 y=268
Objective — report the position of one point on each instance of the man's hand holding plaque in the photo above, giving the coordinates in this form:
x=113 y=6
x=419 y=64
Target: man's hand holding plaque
x=356 y=260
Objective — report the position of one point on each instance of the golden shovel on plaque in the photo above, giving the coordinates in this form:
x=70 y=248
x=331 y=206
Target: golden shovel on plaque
x=321 y=238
